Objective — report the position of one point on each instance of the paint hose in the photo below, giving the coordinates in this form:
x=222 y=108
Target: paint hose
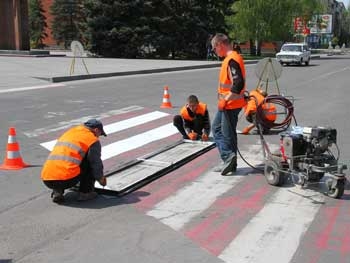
x=277 y=100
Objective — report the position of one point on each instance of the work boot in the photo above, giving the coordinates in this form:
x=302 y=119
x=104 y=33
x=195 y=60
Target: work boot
x=57 y=196
x=87 y=196
x=230 y=164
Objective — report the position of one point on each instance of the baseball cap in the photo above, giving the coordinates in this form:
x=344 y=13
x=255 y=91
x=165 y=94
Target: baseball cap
x=93 y=123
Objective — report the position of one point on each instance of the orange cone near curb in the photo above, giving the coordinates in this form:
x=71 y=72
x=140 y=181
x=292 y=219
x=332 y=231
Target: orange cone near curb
x=13 y=159
x=166 y=98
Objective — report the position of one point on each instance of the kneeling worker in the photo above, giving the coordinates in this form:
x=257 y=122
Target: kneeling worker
x=76 y=158
x=193 y=122
x=256 y=98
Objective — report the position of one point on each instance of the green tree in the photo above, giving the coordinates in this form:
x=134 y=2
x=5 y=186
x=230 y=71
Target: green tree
x=182 y=27
x=124 y=28
x=68 y=21
x=116 y=28
x=37 y=23
x=268 y=20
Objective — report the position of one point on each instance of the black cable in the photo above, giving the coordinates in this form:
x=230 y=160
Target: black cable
x=277 y=100
x=235 y=142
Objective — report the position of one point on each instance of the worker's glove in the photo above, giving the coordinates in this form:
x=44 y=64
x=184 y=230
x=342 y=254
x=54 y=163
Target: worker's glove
x=222 y=104
x=103 y=181
x=205 y=137
x=192 y=136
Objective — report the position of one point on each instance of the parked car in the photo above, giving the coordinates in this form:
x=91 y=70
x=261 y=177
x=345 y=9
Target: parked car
x=294 y=53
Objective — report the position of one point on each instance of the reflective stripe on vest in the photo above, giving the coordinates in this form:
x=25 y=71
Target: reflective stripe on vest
x=225 y=82
x=201 y=108
x=64 y=161
x=80 y=151
x=64 y=158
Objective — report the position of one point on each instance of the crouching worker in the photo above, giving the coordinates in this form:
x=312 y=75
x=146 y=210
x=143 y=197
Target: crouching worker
x=193 y=122
x=76 y=158
x=256 y=98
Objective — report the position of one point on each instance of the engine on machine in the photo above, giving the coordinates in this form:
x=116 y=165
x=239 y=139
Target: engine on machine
x=306 y=154
x=309 y=144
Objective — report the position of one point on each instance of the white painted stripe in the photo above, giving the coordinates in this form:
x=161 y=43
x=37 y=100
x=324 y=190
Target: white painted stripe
x=190 y=201
x=131 y=143
x=137 y=141
x=119 y=126
x=273 y=235
x=67 y=124
x=132 y=122
x=179 y=209
x=32 y=88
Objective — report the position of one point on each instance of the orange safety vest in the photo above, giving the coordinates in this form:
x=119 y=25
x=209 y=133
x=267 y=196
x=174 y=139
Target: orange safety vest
x=202 y=107
x=269 y=110
x=225 y=82
x=64 y=160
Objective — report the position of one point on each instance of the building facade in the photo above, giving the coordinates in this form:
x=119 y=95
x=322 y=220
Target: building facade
x=14 y=26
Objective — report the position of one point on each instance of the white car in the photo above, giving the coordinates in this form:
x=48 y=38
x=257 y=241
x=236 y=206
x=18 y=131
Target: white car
x=294 y=53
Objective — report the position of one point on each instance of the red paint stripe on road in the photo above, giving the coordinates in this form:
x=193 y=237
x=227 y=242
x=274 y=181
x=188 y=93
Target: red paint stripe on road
x=345 y=241
x=331 y=214
x=216 y=231
x=175 y=180
x=332 y=234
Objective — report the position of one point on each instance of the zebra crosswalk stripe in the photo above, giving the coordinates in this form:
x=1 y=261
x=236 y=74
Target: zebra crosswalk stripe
x=273 y=235
x=177 y=210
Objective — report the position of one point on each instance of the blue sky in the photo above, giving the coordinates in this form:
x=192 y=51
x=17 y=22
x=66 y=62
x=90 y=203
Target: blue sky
x=346 y=2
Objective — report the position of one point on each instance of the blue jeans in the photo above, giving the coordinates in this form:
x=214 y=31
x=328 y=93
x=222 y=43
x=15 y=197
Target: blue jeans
x=224 y=132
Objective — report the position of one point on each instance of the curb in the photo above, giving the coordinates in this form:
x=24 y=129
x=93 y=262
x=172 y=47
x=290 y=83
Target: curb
x=134 y=72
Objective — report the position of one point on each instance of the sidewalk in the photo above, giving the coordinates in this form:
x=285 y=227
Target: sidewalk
x=33 y=70
x=25 y=71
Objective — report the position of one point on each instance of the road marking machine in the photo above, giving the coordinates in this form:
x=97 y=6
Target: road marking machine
x=307 y=155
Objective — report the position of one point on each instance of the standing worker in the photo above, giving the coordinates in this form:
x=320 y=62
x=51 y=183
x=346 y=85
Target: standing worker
x=231 y=100
x=193 y=122
x=75 y=158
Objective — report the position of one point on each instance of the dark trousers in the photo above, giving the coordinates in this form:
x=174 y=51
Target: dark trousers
x=87 y=181
x=196 y=125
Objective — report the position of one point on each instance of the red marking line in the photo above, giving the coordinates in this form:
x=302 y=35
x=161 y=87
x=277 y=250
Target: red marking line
x=229 y=213
x=175 y=180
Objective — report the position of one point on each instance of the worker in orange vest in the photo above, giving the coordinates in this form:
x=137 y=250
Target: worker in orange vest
x=230 y=89
x=193 y=122
x=76 y=158
x=256 y=99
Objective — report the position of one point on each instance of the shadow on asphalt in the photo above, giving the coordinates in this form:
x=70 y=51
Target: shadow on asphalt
x=102 y=201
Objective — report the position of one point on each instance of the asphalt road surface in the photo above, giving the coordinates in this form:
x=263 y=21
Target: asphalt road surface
x=191 y=214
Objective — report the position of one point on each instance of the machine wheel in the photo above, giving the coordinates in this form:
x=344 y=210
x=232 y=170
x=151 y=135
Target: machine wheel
x=272 y=173
x=337 y=191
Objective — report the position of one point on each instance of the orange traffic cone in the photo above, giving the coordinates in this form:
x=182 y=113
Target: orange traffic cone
x=166 y=98
x=13 y=159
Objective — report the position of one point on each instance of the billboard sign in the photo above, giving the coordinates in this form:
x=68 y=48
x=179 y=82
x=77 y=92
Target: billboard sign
x=300 y=27
x=321 y=24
